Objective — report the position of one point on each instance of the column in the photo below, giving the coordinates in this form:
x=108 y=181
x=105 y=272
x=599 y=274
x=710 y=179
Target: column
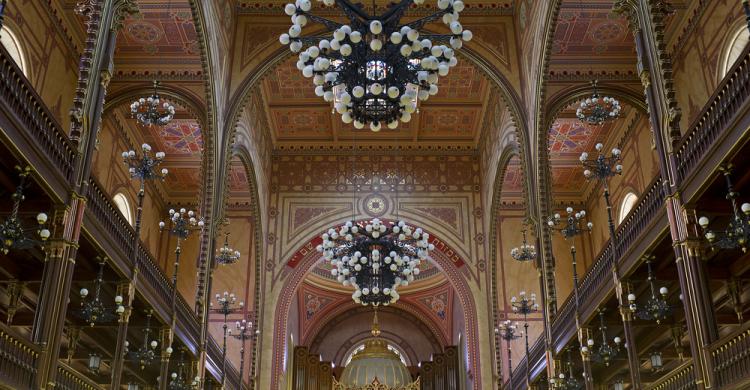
x=126 y=291
x=646 y=21
x=49 y=317
x=630 y=346
x=102 y=19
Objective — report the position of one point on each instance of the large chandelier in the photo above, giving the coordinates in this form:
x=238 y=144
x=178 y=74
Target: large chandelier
x=94 y=311
x=374 y=69
x=525 y=252
x=596 y=110
x=376 y=257
x=152 y=110
x=737 y=232
x=13 y=234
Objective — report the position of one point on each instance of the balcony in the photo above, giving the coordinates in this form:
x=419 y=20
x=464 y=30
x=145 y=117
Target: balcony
x=31 y=131
x=17 y=359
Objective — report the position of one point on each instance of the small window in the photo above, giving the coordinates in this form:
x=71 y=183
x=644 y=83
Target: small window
x=124 y=206
x=13 y=46
x=628 y=202
x=734 y=49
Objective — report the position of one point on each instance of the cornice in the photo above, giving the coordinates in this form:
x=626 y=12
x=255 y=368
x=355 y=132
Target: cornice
x=341 y=150
x=472 y=9
x=630 y=76
x=688 y=30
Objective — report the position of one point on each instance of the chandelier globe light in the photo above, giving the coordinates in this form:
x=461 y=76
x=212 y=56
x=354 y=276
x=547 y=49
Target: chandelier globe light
x=524 y=253
x=375 y=70
x=152 y=110
x=375 y=257
x=226 y=254
x=596 y=110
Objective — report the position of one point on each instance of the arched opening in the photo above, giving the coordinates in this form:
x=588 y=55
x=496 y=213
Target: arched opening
x=733 y=49
x=12 y=45
x=422 y=327
x=628 y=202
x=122 y=203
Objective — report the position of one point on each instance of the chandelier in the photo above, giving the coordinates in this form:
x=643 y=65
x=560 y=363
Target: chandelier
x=605 y=353
x=375 y=69
x=375 y=257
x=569 y=382
x=13 y=235
x=146 y=354
x=526 y=252
x=226 y=254
x=596 y=110
x=656 y=308
x=179 y=380
x=94 y=311
x=737 y=232
x=152 y=110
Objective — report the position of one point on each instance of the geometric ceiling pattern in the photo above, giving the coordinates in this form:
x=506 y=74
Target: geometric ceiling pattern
x=180 y=136
x=568 y=137
x=160 y=36
x=591 y=36
x=296 y=115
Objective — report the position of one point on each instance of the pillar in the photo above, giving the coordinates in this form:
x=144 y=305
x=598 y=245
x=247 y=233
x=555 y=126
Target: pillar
x=165 y=337
x=646 y=19
x=584 y=334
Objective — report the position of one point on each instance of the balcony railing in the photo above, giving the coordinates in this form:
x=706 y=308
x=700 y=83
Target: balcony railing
x=731 y=95
x=599 y=276
x=731 y=358
x=599 y=279
x=17 y=359
x=681 y=378
x=70 y=379
x=36 y=127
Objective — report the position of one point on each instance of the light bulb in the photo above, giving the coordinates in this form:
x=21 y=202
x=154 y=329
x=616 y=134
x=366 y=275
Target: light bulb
x=376 y=27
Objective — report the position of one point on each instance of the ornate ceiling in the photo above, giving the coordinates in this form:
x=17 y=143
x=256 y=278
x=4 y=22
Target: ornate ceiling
x=296 y=115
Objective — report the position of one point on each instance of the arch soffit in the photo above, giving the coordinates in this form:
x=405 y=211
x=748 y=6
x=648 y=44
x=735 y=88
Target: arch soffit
x=324 y=325
x=192 y=104
x=568 y=96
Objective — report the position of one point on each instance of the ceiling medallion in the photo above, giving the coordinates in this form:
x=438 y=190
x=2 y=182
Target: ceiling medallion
x=596 y=110
x=148 y=111
x=376 y=257
x=375 y=70
x=375 y=205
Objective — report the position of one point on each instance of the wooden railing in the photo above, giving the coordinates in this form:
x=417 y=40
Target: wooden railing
x=731 y=95
x=730 y=357
x=19 y=99
x=681 y=378
x=17 y=359
x=599 y=279
x=70 y=379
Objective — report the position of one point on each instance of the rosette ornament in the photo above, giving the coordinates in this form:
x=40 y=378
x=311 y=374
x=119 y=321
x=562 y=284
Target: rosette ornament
x=375 y=70
x=375 y=257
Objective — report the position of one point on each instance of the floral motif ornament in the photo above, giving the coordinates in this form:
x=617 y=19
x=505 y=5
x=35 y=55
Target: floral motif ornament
x=375 y=257
x=374 y=69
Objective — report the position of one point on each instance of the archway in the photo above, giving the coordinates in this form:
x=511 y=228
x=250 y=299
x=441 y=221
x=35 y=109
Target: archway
x=305 y=259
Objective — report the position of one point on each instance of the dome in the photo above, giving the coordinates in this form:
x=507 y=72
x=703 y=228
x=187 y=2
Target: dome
x=376 y=364
x=376 y=361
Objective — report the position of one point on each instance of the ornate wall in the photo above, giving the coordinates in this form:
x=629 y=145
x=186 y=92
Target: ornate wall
x=311 y=192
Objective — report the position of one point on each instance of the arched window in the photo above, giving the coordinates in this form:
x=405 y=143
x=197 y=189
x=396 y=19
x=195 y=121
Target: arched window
x=734 y=48
x=13 y=46
x=628 y=202
x=124 y=206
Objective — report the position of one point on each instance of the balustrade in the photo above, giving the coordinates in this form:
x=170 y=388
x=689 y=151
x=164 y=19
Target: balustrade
x=731 y=357
x=730 y=96
x=70 y=379
x=36 y=127
x=681 y=378
x=17 y=359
